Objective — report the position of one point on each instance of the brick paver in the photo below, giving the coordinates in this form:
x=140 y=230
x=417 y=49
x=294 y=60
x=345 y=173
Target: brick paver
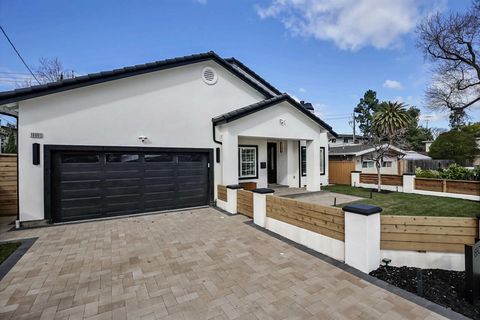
x=196 y=264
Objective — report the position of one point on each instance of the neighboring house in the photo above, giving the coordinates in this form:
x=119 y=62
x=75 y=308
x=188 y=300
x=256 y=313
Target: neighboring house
x=360 y=157
x=346 y=139
x=159 y=136
x=476 y=159
x=4 y=133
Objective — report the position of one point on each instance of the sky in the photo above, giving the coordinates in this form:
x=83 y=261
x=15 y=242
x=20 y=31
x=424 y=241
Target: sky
x=322 y=51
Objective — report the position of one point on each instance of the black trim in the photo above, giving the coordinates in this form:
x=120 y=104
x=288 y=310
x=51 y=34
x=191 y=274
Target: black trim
x=263 y=190
x=253 y=74
x=48 y=150
x=363 y=209
x=105 y=76
x=299 y=166
x=256 y=161
x=322 y=173
x=10 y=262
x=301 y=161
x=234 y=186
x=264 y=104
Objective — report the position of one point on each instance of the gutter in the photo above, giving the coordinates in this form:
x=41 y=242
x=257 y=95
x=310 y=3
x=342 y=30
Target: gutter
x=214 y=134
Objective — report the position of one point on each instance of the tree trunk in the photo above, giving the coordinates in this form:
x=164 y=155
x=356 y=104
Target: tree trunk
x=379 y=177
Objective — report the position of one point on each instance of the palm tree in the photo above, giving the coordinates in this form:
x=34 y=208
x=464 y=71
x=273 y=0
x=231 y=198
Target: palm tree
x=390 y=118
x=389 y=124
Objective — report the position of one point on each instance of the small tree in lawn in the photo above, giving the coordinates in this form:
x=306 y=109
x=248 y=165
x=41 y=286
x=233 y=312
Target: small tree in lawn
x=10 y=146
x=389 y=124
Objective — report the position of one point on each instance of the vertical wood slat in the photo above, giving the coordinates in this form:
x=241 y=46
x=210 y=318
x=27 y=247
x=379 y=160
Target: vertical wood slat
x=222 y=193
x=8 y=184
x=424 y=233
x=340 y=172
x=245 y=203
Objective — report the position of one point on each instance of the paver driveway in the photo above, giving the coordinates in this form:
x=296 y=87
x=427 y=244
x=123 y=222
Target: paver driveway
x=196 y=264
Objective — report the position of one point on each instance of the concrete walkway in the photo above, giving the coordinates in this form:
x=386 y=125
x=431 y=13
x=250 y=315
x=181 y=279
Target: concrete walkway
x=197 y=264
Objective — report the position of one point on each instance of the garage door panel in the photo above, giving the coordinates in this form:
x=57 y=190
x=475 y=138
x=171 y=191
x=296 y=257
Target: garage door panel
x=99 y=184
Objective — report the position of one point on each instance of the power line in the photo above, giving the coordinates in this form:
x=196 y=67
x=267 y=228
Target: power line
x=18 y=54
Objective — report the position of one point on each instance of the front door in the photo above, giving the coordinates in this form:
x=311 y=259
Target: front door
x=272 y=162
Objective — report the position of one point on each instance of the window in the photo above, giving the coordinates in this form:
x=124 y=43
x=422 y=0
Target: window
x=247 y=162
x=387 y=164
x=162 y=157
x=303 y=160
x=345 y=140
x=80 y=158
x=118 y=157
x=368 y=164
x=189 y=158
x=322 y=160
x=334 y=140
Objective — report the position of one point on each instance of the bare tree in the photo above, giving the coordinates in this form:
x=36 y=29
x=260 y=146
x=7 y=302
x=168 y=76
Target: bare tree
x=49 y=70
x=453 y=42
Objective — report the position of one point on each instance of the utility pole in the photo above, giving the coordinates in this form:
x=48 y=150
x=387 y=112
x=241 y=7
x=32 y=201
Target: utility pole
x=353 y=122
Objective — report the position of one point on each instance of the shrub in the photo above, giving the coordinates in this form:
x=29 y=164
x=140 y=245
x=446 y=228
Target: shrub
x=453 y=172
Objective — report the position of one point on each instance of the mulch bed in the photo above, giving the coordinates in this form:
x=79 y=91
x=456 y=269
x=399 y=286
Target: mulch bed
x=443 y=287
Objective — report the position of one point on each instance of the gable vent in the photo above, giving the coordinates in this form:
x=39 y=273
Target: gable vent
x=209 y=75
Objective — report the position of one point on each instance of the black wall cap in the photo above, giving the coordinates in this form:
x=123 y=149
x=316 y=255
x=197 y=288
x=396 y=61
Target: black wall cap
x=478 y=216
x=234 y=186
x=263 y=190
x=409 y=174
x=356 y=171
x=361 y=208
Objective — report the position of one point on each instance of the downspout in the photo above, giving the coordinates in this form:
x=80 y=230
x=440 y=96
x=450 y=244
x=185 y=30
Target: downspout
x=214 y=135
x=299 y=165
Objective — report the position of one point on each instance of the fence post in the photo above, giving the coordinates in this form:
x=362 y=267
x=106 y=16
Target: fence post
x=362 y=236
x=232 y=197
x=408 y=182
x=355 y=181
x=260 y=205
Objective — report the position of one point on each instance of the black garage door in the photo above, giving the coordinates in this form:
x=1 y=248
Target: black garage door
x=88 y=185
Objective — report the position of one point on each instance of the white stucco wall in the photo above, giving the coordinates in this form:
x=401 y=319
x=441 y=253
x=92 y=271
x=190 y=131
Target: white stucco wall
x=173 y=108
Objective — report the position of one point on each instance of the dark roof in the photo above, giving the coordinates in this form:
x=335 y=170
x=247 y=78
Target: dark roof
x=253 y=74
x=245 y=111
x=348 y=135
x=307 y=105
x=352 y=149
x=100 y=77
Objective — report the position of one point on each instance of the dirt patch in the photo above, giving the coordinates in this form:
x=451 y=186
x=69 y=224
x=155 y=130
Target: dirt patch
x=443 y=287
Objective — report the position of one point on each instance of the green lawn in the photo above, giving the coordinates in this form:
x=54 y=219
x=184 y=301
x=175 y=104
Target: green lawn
x=6 y=249
x=408 y=204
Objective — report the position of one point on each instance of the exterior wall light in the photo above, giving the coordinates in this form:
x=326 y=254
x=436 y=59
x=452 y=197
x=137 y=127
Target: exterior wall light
x=283 y=122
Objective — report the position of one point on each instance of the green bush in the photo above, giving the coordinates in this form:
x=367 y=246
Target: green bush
x=425 y=173
x=453 y=172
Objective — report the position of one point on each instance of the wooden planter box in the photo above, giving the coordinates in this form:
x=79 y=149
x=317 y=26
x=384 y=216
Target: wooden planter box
x=248 y=185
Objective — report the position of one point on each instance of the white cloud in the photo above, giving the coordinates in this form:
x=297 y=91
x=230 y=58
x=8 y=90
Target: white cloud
x=302 y=90
x=351 y=24
x=392 y=84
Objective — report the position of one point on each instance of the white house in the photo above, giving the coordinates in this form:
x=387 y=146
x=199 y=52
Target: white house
x=159 y=136
x=360 y=155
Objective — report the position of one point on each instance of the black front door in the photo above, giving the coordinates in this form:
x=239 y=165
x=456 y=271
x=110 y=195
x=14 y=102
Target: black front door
x=272 y=162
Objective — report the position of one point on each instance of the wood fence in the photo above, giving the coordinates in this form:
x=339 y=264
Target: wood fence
x=8 y=184
x=387 y=179
x=423 y=233
x=324 y=220
x=339 y=172
x=222 y=193
x=245 y=203
x=452 y=186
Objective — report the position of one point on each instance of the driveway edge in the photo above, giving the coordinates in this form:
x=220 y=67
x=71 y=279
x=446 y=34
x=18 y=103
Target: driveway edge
x=10 y=262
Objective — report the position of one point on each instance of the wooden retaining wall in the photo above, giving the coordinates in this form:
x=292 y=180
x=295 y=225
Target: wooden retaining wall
x=245 y=203
x=222 y=193
x=324 y=220
x=421 y=233
x=387 y=179
x=8 y=184
x=453 y=186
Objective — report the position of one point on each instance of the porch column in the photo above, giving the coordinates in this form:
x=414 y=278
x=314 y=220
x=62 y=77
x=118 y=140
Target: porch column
x=313 y=165
x=292 y=163
x=229 y=158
